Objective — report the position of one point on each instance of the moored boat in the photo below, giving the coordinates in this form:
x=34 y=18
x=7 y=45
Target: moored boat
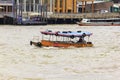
x=64 y=39
x=100 y=22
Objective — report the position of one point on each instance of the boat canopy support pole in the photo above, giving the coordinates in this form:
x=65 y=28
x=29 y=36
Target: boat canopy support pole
x=88 y=38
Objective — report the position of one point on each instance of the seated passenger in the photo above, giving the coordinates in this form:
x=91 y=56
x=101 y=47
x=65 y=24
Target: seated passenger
x=80 y=40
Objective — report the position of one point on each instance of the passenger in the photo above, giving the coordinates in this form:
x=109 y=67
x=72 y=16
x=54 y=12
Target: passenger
x=112 y=23
x=80 y=40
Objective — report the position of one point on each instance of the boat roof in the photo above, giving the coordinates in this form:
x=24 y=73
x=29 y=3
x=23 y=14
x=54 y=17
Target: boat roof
x=67 y=33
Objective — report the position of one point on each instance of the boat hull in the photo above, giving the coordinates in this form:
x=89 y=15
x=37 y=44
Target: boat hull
x=95 y=24
x=46 y=43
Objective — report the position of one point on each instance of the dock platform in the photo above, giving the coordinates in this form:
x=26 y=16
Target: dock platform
x=62 y=18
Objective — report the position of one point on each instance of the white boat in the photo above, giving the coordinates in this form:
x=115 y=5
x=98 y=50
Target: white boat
x=100 y=22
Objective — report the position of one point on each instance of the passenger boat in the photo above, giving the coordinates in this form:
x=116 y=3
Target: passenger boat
x=63 y=39
x=100 y=22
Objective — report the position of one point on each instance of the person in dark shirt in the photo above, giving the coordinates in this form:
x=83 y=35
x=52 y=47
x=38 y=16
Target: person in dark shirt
x=80 y=40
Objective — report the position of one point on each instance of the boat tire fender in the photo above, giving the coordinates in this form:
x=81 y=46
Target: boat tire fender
x=30 y=42
x=39 y=44
x=89 y=42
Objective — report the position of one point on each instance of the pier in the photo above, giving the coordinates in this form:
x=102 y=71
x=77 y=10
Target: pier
x=84 y=15
x=73 y=18
x=63 y=18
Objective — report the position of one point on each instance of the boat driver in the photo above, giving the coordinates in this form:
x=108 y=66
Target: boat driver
x=81 y=40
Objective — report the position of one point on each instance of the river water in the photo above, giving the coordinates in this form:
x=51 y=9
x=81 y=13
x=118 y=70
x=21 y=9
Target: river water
x=20 y=61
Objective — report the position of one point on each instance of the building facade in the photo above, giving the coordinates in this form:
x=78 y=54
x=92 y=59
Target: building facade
x=81 y=6
x=34 y=5
x=6 y=6
x=55 y=6
x=102 y=7
x=116 y=1
x=28 y=5
x=64 y=6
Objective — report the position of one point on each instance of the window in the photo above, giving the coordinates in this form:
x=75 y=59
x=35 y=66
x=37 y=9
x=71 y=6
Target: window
x=61 y=3
x=60 y=11
x=27 y=5
x=45 y=1
x=21 y=1
x=9 y=8
x=69 y=11
x=31 y=7
x=55 y=10
x=15 y=1
x=37 y=1
x=55 y=3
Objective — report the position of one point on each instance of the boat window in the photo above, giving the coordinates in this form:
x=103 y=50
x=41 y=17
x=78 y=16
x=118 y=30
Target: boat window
x=70 y=31
x=105 y=20
x=79 y=31
x=49 y=31
x=64 y=32
x=88 y=20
